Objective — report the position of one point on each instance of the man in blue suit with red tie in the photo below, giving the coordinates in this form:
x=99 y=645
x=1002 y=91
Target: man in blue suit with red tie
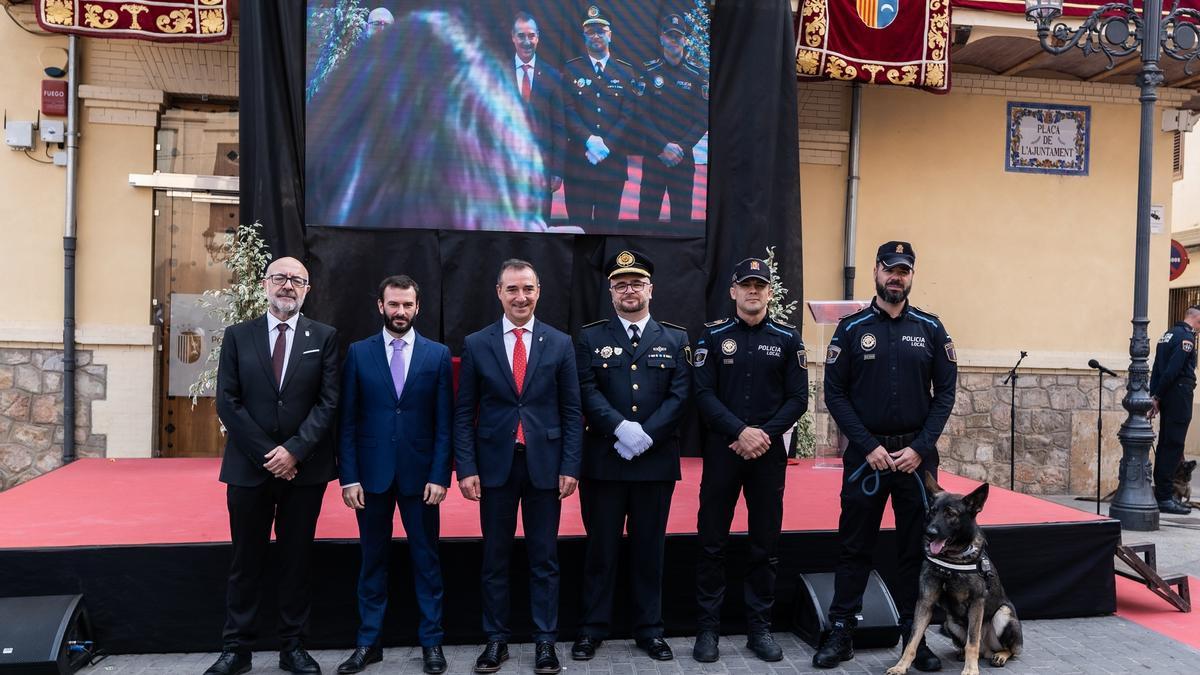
x=395 y=451
x=517 y=440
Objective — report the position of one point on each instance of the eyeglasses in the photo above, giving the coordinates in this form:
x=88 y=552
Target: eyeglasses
x=625 y=286
x=281 y=279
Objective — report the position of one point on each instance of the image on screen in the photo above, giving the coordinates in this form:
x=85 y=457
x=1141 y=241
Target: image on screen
x=508 y=115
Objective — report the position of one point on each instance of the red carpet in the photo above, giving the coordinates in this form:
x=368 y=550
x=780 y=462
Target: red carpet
x=99 y=502
x=1138 y=604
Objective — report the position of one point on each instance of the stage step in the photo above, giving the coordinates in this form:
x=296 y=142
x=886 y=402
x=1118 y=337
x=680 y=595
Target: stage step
x=1143 y=561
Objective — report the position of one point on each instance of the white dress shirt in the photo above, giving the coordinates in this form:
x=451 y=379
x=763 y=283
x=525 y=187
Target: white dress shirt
x=510 y=338
x=409 y=339
x=603 y=62
x=640 y=324
x=522 y=72
x=289 y=338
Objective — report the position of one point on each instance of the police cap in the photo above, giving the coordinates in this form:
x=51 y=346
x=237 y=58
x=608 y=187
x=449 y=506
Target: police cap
x=672 y=22
x=896 y=253
x=595 y=18
x=751 y=268
x=629 y=262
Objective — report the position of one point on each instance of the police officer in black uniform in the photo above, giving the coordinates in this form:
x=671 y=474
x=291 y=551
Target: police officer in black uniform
x=1172 y=382
x=890 y=377
x=751 y=383
x=634 y=377
x=601 y=93
x=676 y=116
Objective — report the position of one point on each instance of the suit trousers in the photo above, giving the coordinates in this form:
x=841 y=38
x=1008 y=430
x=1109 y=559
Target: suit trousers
x=609 y=508
x=761 y=480
x=676 y=181
x=421 y=528
x=294 y=510
x=593 y=193
x=1175 y=409
x=858 y=529
x=540 y=510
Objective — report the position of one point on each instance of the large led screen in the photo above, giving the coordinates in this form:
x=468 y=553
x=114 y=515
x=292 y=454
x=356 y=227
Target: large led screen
x=535 y=116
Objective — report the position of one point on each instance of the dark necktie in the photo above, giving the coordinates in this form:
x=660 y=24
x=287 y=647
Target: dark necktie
x=278 y=353
x=634 y=335
x=599 y=69
x=518 y=367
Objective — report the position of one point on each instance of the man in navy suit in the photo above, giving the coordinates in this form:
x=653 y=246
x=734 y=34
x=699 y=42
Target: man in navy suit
x=277 y=394
x=517 y=436
x=540 y=87
x=395 y=451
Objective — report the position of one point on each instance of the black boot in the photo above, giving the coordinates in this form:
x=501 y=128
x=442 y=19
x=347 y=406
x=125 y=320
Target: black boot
x=925 y=660
x=836 y=646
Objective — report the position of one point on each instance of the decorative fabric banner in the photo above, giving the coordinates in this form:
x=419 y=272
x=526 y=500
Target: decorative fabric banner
x=900 y=42
x=158 y=20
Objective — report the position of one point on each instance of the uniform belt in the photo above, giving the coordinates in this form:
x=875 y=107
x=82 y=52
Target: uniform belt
x=897 y=442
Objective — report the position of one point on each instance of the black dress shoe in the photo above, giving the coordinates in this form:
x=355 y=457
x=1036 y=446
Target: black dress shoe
x=434 y=659
x=493 y=655
x=545 y=659
x=925 y=660
x=837 y=646
x=706 y=650
x=656 y=648
x=1174 y=507
x=764 y=646
x=298 y=661
x=360 y=659
x=230 y=663
x=584 y=648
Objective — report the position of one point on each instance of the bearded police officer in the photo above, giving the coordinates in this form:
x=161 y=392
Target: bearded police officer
x=1172 y=383
x=751 y=380
x=634 y=374
x=890 y=375
x=600 y=92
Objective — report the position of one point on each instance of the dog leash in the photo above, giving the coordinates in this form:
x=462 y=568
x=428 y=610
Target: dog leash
x=870 y=489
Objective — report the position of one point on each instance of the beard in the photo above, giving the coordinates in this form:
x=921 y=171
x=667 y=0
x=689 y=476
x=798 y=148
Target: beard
x=286 y=305
x=634 y=307
x=398 y=324
x=892 y=295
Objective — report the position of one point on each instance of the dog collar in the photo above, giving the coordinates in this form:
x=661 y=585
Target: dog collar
x=973 y=567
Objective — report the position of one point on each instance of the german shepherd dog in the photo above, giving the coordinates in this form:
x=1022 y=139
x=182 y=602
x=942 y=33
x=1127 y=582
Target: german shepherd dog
x=958 y=576
x=1182 y=483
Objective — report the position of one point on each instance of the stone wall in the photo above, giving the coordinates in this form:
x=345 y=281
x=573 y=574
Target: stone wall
x=31 y=411
x=1055 y=430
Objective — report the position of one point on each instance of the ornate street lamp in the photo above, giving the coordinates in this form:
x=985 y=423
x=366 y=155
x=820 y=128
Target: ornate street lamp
x=1116 y=30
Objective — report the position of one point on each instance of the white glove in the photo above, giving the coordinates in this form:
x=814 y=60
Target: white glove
x=631 y=435
x=624 y=450
x=597 y=150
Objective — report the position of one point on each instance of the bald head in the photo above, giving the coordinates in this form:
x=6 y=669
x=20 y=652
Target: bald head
x=1191 y=316
x=286 y=284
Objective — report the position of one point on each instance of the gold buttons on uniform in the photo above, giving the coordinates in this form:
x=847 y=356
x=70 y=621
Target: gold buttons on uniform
x=635 y=387
x=633 y=367
x=606 y=365
x=634 y=408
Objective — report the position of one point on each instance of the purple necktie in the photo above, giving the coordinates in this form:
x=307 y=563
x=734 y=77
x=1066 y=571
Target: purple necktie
x=398 y=366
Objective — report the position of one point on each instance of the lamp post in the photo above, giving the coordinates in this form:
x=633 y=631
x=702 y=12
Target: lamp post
x=1116 y=30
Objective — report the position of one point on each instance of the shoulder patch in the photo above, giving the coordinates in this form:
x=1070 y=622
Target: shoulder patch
x=700 y=356
x=925 y=312
x=718 y=322
x=673 y=325
x=832 y=354
x=950 y=353
x=783 y=323
x=601 y=322
x=623 y=62
x=1187 y=345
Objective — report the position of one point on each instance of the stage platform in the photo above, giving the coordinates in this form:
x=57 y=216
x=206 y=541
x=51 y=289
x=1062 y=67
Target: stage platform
x=147 y=543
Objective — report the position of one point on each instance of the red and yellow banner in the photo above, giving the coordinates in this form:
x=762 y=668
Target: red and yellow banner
x=899 y=42
x=159 y=20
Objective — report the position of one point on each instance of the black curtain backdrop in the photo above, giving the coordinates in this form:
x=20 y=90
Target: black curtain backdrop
x=754 y=197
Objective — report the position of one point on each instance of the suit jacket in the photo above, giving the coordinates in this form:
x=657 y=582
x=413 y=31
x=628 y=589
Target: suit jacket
x=384 y=439
x=648 y=385
x=297 y=415
x=488 y=407
x=601 y=106
x=547 y=116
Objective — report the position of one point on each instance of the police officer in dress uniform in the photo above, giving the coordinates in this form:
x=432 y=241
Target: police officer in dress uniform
x=676 y=117
x=600 y=95
x=751 y=379
x=634 y=375
x=1172 y=383
x=890 y=376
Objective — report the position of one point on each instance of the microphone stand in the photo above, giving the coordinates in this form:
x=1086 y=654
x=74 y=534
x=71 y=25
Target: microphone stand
x=1099 y=433
x=1011 y=380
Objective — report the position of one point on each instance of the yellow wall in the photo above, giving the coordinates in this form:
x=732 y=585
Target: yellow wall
x=1010 y=261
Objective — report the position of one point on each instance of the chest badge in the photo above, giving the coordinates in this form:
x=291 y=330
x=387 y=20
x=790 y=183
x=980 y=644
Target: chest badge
x=606 y=352
x=729 y=346
x=867 y=342
x=618 y=350
x=658 y=82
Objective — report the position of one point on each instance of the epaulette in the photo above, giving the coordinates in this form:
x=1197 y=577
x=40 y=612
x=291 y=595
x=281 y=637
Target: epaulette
x=595 y=323
x=783 y=323
x=693 y=64
x=623 y=62
x=577 y=58
x=718 y=322
x=652 y=64
x=925 y=312
x=673 y=325
x=688 y=66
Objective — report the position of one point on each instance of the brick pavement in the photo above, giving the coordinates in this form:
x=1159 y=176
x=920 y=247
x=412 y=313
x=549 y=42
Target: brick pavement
x=1065 y=646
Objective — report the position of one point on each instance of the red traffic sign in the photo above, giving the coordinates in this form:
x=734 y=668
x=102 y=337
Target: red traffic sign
x=1179 y=259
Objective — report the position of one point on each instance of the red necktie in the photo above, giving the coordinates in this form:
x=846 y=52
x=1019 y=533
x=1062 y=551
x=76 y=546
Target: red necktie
x=278 y=353
x=525 y=89
x=519 y=374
